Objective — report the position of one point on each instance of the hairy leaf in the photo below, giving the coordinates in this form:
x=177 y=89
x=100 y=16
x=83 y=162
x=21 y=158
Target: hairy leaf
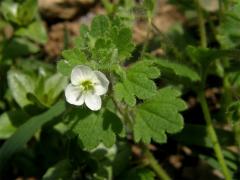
x=123 y=42
x=94 y=128
x=100 y=26
x=72 y=57
x=137 y=83
x=158 y=116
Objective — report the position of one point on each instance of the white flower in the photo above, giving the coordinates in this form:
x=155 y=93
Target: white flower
x=86 y=87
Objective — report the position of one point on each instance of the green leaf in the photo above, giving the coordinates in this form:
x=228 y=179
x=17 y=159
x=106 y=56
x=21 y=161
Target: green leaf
x=204 y=56
x=104 y=44
x=233 y=111
x=20 y=84
x=18 y=47
x=26 y=131
x=158 y=116
x=228 y=32
x=104 y=52
x=81 y=40
x=231 y=163
x=9 y=11
x=54 y=86
x=94 y=128
x=149 y=5
x=27 y=11
x=35 y=31
x=137 y=83
x=121 y=160
x=61 y=170
x=178 y=69
x=72 y=57
x=6 y=127
x=122 y=92
x=10 y=120
x=139 y=174
x=64 y=67
x=100 y=26
x=123 y=42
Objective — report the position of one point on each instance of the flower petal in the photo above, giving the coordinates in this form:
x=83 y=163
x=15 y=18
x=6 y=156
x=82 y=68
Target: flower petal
x=81 y=73
x=102 y=87
x=93 y=101
x=74 y=95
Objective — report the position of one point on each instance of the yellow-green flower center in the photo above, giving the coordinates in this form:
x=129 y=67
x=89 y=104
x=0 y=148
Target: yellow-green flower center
x=87 y=85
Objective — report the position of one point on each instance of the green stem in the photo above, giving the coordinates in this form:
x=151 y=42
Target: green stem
x=123 y=113
x=152 y=162
x=147 y=37
x=213 y=136
x=221 y=10
x=201 y=24
x=108 y=6
x=160 y=172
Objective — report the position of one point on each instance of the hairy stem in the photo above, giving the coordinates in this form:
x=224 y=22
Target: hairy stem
x=152 y=162
x=145 y=45
x=221 y=10
x=201 y=24
x=213 y=136
x=210 y=129
x=108 y=6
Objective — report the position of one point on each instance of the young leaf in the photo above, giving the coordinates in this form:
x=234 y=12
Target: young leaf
x=72 y=57
x=100 y=26
x=104 y=51
x=158 y=116
x=123 y=42
x=95 y=128
x=138 y=83
x=81 y=40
